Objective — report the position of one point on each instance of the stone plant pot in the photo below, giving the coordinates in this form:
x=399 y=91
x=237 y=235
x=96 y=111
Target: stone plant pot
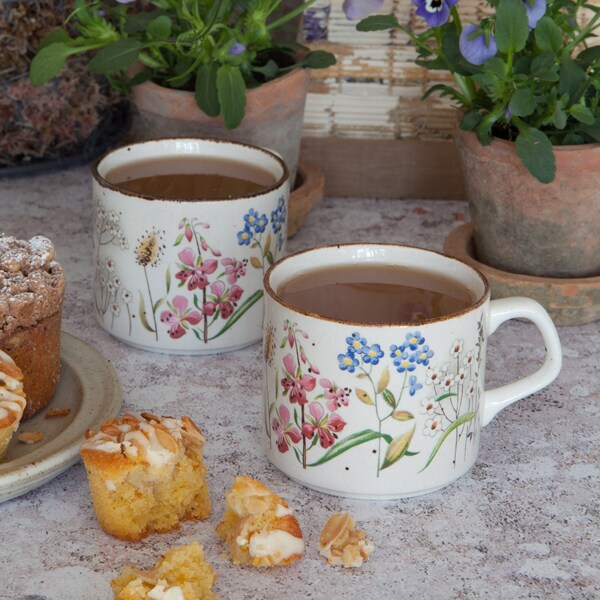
x=527 y=227
x=273 y=120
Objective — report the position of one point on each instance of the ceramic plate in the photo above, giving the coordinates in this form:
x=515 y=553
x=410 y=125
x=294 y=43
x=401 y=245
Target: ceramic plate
x=90 y=388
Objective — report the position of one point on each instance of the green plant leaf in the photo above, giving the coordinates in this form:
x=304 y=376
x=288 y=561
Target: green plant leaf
x=593 y=130
x=535 y=150
x=206 y=94
x=460 y=421
x=318 y=59
x=470 y=120
x=54 y=37
x=270 y=70
x=548 y=36
x=117 y=56
x=545 y=68
x=160 y=27
x=389 y=398
x=356 y=439
x=378 y=23
x=572 y=79
x=232 y=95
x=139 y=21
x=141 y=77
x=582 y=113
x=512 y=26
x=587 y=57
x=453 y=55
x=397 y=449
x=559 y=117
x=48 y=62
x=522 y=103
x=239 y=313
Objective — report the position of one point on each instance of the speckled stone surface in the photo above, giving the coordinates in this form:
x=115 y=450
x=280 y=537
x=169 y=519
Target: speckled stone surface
x=524 y=523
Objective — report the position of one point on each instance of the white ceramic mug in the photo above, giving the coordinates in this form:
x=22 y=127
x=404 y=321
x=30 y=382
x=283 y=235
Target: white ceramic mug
x=385 y=411
x=186 y=276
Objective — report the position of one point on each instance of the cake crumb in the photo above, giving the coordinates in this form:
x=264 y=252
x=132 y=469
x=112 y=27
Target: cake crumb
x=30 y=437
x=57 y=412
x=341 y=544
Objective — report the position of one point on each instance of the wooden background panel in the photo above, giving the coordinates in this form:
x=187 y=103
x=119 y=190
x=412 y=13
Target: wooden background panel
x=387 y=168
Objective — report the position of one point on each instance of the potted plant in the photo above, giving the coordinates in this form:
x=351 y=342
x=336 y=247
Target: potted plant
x=527 y=84
x=196 y=67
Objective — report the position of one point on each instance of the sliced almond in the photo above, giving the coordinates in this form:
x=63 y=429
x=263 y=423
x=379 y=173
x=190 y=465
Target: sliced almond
x=167 y=440
x=336 y=530
x=89 y=433
x=8 y=420
x=150 y=417
x=111 y=430
x=187 y=421
x=30 y=437
x=57 y=412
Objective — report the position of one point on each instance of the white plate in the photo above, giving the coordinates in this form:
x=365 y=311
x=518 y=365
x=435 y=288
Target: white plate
x=90 y=388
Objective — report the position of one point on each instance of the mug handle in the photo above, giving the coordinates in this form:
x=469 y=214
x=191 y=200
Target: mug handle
x=522 y=308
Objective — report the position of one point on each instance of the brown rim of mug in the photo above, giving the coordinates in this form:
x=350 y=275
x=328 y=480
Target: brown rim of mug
x=115 y=188
x=271 y=292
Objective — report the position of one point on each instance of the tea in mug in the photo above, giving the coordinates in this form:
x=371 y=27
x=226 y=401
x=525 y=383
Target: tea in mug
x=376 y=294
x=190 y=178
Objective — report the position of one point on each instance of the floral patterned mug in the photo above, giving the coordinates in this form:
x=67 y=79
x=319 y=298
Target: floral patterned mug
x=385 y=411
x=186 y=276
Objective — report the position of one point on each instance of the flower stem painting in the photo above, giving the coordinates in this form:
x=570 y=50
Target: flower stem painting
x=307 y=415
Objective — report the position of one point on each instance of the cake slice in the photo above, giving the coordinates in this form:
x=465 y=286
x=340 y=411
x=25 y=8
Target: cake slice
x=146 y=474
x=258 y=526
x=181 y=574
x=12 y=400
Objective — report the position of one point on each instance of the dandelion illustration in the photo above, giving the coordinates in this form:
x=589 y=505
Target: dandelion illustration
x=148 y=253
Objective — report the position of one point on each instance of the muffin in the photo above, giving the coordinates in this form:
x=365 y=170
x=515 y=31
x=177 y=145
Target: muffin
x=181 y=574
x=12 y=400
x=32 y=286
x=146 y=474
x=258 y=526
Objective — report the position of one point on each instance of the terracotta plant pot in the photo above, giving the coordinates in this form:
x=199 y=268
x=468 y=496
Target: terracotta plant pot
x=273 y=120
x=524 y=226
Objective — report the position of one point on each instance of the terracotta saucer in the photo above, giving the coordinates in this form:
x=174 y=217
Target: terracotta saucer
x=573 y=301
x=307 y=193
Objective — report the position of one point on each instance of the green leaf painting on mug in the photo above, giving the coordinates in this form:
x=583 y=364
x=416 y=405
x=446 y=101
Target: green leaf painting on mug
x=397 y=449
x=356 y=439
x=460 y=421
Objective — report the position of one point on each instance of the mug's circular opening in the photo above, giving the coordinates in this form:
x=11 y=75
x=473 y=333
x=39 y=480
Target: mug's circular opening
x=347 y=255
x=169 y=148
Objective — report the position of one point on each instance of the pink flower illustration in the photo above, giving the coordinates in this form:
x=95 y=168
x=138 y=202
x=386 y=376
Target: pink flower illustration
x=296 y=386
x=187 y=229
x=335 y=396
x=195 y=270
x=286 y=432
x=179 y=318
x=326 y=425
x=234 y=269
x=222 y=298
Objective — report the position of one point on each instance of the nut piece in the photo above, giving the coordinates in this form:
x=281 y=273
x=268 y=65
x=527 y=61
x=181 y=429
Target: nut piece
x=30 y=437
x=341 y=544
x=57 y=412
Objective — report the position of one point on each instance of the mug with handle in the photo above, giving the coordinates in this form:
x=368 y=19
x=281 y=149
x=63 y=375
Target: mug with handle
x=384 y=411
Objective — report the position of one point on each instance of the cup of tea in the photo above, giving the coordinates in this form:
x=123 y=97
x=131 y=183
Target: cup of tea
x=374 y=368
x=184 y=231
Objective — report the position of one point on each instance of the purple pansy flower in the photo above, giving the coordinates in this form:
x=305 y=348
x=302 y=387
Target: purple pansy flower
x=359 y=9
x=476 y=46
x=435 y=12
x=535 y=11
x=237 y=49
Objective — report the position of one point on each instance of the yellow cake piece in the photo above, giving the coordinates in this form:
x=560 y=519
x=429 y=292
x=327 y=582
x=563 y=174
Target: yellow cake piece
x=146 y=474
x=181 y=574
x=12 y=400
x=258 y=526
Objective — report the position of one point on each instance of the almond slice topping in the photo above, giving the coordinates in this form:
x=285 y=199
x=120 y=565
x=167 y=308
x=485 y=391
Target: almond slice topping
x=30 y=437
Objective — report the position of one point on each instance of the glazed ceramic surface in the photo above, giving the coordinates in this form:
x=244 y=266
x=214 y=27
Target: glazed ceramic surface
x=385 y=411
x=186 y=277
